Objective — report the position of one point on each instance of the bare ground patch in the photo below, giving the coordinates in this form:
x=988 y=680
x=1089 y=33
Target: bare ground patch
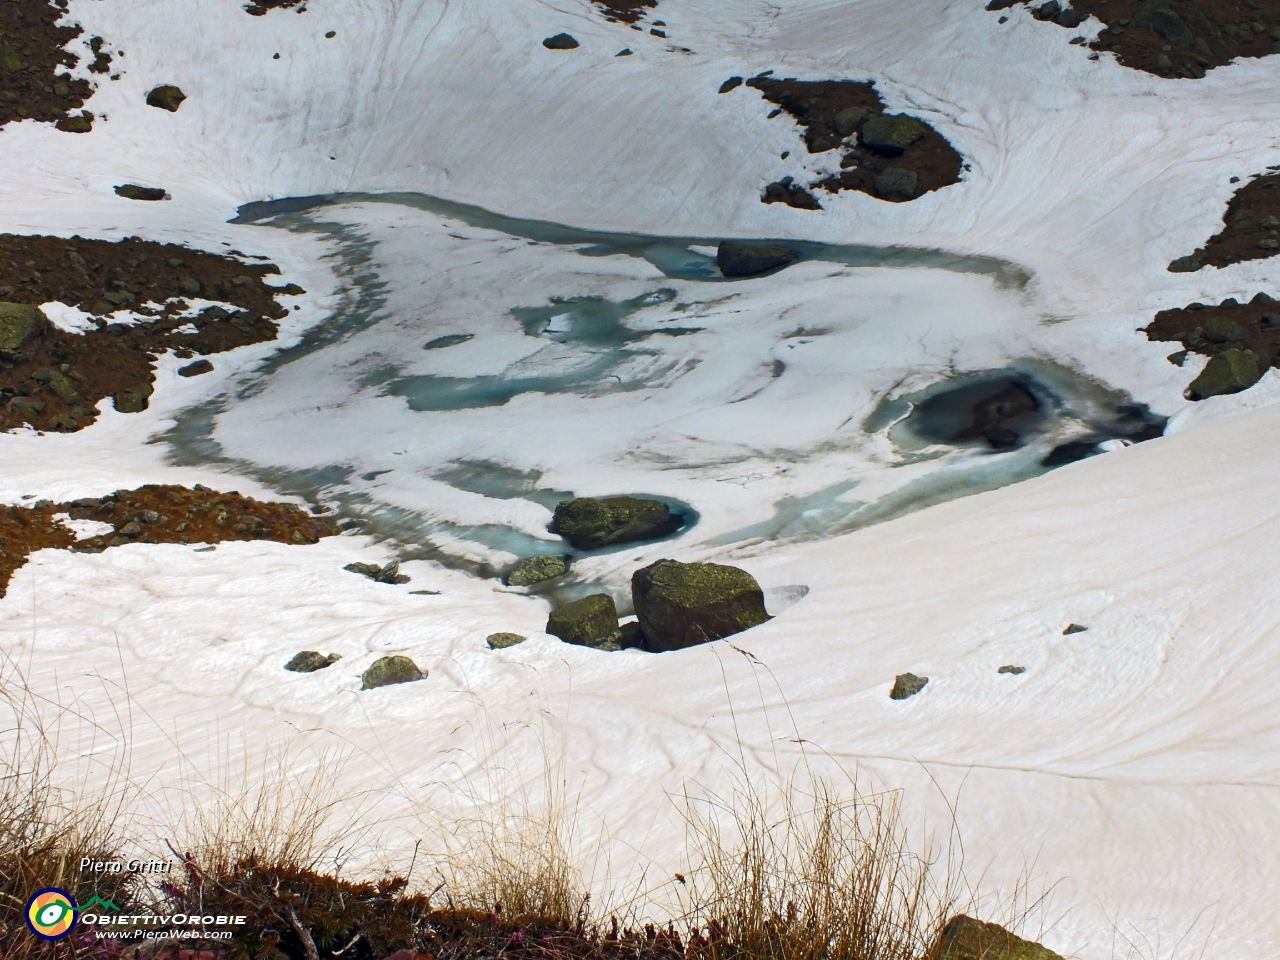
x=32 y=57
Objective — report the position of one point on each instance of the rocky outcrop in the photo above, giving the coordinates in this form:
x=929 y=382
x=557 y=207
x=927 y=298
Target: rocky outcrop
x=537 y=569
x=309 y=661
x=964 y=938
x=684 y=604
x=166 y=97
x=589 y=523
x=907 y=685
x=589 y=622
x=501 y=641
x=21 y=326
x=387 y=671
x=1230 y=371
x=736 y=259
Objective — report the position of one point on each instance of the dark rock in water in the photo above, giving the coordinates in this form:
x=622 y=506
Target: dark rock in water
x=386 y=671
x=166 y=97
x=1070 y=452
x=848 y=120
x=561 y=41
x=501 y=641
x=134 y=399
x=1222 y=330
x=1188 y=264
x=1230 y=371
x=1010 y=668
x=195 y=369
x=897 y=182
x=730 y=84
x=1047 y=11
x=589 y=523
x=589 y=622
x=907 y=685
x=537 y=570
x=964 y=938
x=632 y=636
x=748 y=260
x=891 y=134
x=684 y=604
x=131 y=191
x=991 y=415
x=21 y=326
x=388 y=574
x=1073 y=628
x=309 y=661
x=451 y=340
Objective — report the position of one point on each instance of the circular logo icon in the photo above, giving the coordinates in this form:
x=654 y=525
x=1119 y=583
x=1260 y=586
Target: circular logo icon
x=51 y=914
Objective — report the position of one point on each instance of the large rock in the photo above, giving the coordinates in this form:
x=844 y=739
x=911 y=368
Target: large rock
x=964 y=938
x=21 y=326
x=849 y=119
x=589 y=622
x=897 y=182
x=907 y=685
x=386 y=671
x=134 y=399
x=561 y=41
x=746 y=260
x=891 y=134
x=1230 y=371
x=503 y=641
x=166 y=97
x=132 y=191
x=684 y=604
x=589 y=523
x=309 y=661
x=537 y=570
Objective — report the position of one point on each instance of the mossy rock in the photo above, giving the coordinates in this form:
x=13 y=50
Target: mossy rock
x=907 y=685
x=684 y=604
x=964 y=938
x=501 y=641
x=166 y=97
x=537 y=569
x=589 y=523
x=309 y=661
x=1222 y=330
x=589 y=622
x=134 y=399
x=1230 y=371
x=891 y=134
x=21 y=326
x=390 y=670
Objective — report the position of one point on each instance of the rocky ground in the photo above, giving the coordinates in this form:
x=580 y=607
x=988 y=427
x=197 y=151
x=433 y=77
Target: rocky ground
x=889 y=156
x=1241 y=339
x=1171 y=38
x=31 y=57
x=1250 y=228
x=55 y=381
x=625 y=11
x=152 y=514
x=259 y=8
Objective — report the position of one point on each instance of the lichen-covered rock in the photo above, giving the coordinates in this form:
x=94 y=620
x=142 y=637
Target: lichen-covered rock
x=848 y=120
x=309 y=661
x=891 y=134
x=749 y=260
x=386 y=671
x=537 y=569
x=1230 y=371
x=907 y=685
x=134 y=399
x=589 y=523
x=589 y=622
x=501 y=641
x=132 y=191
x=21 y=325
x=964 y=938
x=1222 y=330
x=897 y=182
x=684 y=604
x=166 y=97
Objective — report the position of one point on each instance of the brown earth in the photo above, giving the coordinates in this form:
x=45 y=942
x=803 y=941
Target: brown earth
x=815 y=104
x=1251 y=228
x=31 y=54
x=153 y=514
x=625 y=11
x=1178 y=38
x=1258 y=321
x=68 y=373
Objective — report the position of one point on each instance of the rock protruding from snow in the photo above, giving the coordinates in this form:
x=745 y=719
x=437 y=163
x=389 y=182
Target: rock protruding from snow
x=501 y=641
x=561 y=41
x=589 y=622
x=166 y=97
x=964 y=938
x=537 y=569
x=891 y=134
x=132 y=191
x=386 y=671
x=1230 y=371
x=684 y=604
x=751 y=260
x=589 y=523
x=309 y=661
x=907 y=685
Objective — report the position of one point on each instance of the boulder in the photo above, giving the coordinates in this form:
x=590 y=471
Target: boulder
x=891 y=134
x=964 y=938
x=166 y=97
x=1068 y=18
x=386 y=671
x=731 y=84
x=388 y=574
x=1188 y=264
x=632 y=636
x=309 y=661
x=196 y=369
x=589 y=523
x=1230 y=371
x=537 y=570
x=850 y=119
x=26 y=406
x=684 y=604
x=1073 y=628
x=589 y=622
x=501 y=641
x=131 y=191
x=1047 y=11
x=897 y=182
x=1222 y=330
x=134 y=399
x=21 y=326
x=907 y=685
x=747 y=260
x=561 y=41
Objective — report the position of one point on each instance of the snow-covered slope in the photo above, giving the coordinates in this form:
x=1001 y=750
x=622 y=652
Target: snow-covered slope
x=1135 y=762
